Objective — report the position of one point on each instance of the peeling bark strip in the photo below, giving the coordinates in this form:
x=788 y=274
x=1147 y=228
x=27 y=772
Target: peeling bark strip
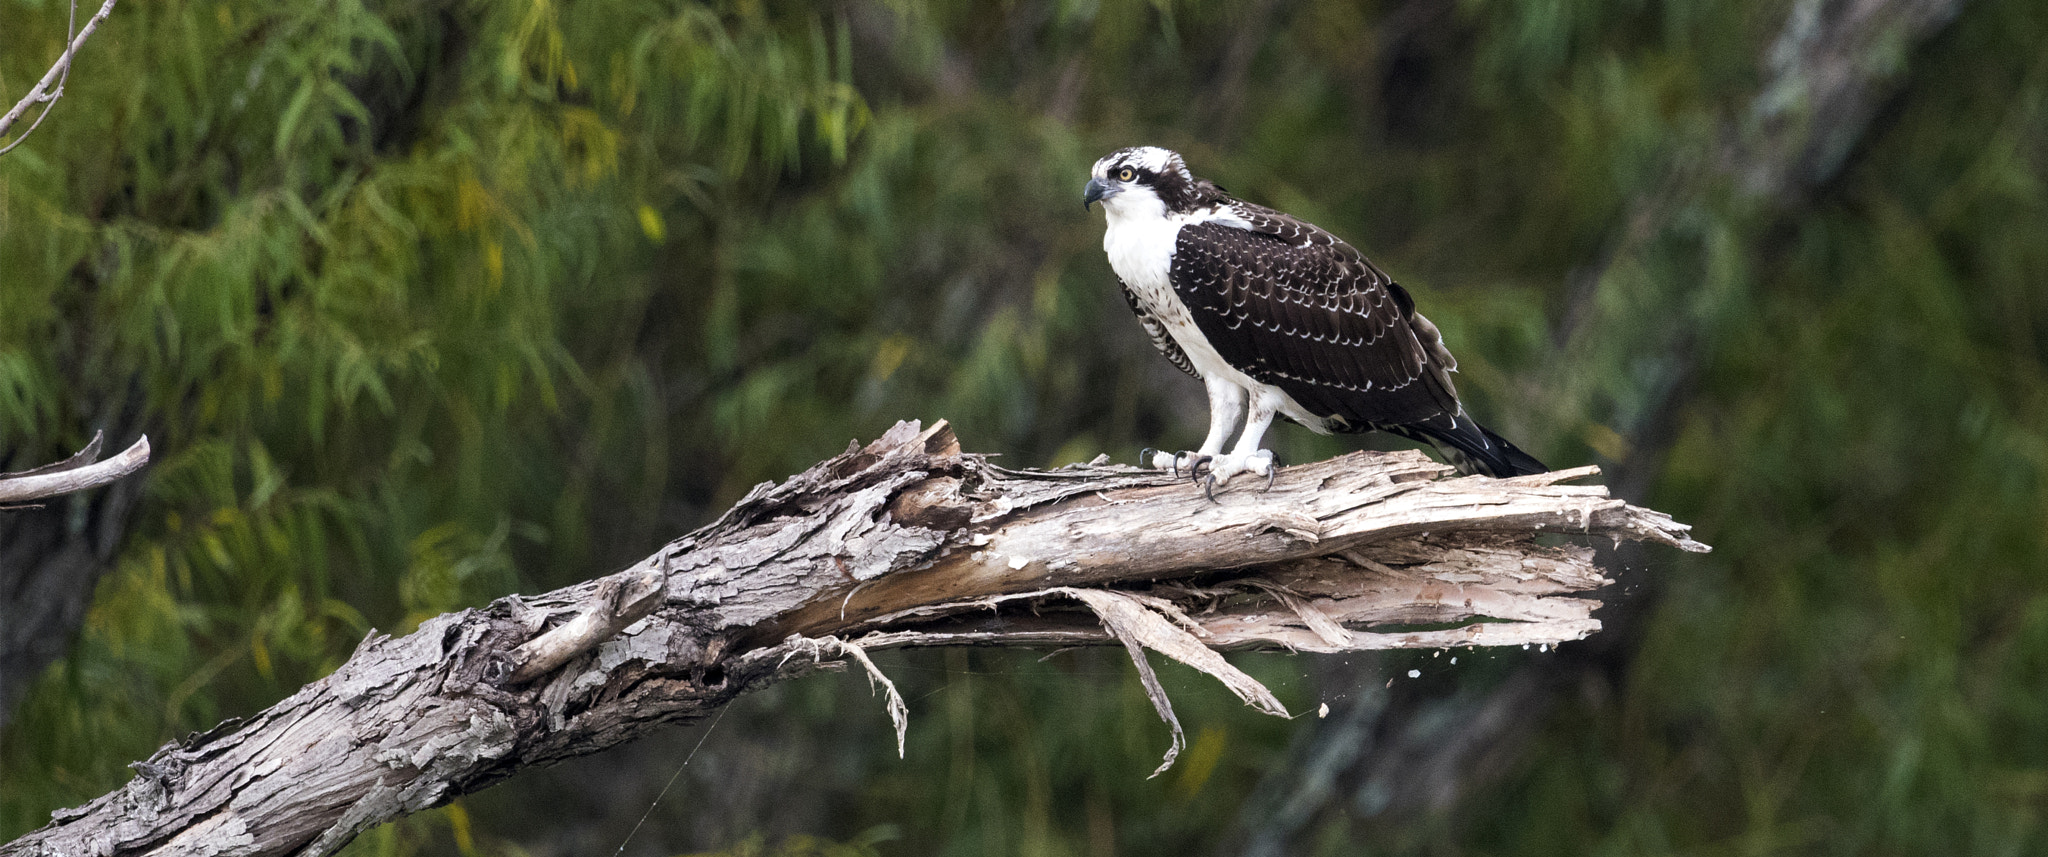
x=904 y=542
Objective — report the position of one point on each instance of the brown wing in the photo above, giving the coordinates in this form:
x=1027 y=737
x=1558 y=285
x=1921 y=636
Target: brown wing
x=1294 y=307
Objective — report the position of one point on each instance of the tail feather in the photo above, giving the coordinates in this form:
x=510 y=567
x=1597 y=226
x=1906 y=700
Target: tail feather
x=1471 y=448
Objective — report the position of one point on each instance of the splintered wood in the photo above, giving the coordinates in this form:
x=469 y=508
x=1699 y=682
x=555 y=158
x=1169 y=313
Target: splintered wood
x=906 y=541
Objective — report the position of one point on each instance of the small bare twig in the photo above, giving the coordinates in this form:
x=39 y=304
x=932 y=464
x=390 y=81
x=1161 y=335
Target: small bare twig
x=76 y=473
x=57 y=75
x=621 y=600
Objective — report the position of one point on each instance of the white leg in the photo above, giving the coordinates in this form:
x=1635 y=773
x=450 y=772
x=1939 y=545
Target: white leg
x=1247 y=456
x=1225 y=400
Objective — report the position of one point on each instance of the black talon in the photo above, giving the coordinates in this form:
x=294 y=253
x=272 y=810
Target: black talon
x=1195 y=467
x=1145 y=456
x=1209 y=487
x=1272 y=473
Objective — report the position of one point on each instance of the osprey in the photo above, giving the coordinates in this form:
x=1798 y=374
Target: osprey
x=1277 y=317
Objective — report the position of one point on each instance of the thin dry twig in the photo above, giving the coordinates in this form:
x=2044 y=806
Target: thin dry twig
x=76 y=473
x=58 y=74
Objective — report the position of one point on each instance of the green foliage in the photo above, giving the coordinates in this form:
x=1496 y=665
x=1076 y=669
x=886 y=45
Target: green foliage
x=426 y=303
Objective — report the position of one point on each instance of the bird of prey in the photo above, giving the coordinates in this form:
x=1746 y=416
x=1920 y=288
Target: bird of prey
x=1277 y=317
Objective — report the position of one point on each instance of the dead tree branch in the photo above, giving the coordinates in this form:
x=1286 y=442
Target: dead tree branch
x=51 y=87
x=904 y=542
x=76 y=473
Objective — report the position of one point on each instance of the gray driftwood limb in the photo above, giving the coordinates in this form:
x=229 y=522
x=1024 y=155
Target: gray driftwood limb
x=904 y=542
x=76 y=473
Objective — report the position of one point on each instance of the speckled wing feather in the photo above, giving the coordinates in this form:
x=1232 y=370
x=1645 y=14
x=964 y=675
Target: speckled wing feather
x=1157 y=332
x=1294 y=307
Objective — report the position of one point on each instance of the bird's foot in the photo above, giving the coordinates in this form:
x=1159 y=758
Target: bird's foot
x=1221 y=467
x=1174 y=461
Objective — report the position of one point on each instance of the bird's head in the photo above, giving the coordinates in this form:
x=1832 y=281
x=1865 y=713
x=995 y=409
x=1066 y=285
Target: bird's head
x=1146 y=180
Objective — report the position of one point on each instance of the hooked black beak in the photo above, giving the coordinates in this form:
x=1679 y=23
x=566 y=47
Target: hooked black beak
x=1094 y=191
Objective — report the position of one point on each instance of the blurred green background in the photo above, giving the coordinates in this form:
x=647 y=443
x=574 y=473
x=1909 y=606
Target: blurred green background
x=423 y=303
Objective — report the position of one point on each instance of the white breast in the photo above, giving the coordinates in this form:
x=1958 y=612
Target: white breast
x=1140 y=250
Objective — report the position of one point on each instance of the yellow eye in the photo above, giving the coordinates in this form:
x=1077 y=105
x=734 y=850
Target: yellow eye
x=1126 y=174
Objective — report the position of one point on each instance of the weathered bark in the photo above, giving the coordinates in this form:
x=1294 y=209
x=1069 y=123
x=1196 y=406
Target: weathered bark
x=906 y=542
